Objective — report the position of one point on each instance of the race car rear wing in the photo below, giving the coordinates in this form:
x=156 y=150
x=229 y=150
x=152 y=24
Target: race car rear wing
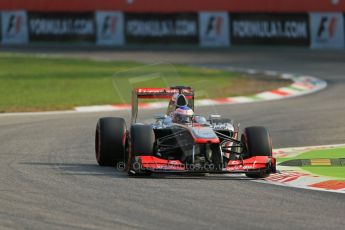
x=159 y=93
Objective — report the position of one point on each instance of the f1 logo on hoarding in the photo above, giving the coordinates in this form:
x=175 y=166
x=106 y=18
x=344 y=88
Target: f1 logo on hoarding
x=214 y=29
x=327 y=30
x=214 y=26
x=110 y=28
x=14 y=27
x=109 y=25
x=327 y=27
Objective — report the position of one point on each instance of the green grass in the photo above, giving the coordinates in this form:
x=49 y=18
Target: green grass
x=330 y=171
x=324 y=153
x=338 y=172
x=37 y=83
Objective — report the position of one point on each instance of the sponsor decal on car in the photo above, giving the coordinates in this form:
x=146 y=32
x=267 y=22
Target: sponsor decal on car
x=240 y=167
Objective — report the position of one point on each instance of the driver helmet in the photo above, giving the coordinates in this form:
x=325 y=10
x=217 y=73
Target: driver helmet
x=183 y=114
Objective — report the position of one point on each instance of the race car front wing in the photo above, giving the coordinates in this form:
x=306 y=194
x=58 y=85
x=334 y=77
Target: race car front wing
x=159 y=165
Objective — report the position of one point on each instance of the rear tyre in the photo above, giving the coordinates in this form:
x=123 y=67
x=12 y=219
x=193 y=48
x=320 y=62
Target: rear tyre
x=257 y=142
x=110 y=141
x=142 y=144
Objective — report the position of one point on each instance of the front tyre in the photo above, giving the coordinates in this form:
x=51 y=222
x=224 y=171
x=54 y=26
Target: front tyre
x=142 y=139
x=110 y=141
x=257 y=142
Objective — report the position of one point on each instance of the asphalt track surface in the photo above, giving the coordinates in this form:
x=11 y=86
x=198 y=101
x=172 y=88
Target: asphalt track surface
x=49 y=178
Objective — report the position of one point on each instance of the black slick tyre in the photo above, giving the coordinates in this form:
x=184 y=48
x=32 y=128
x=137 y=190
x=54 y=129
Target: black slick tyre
x=110 y=141
x=257 y=142
x=142 y=140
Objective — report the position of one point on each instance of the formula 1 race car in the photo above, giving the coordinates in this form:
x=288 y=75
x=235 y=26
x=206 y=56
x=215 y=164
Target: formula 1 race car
x=181 y=141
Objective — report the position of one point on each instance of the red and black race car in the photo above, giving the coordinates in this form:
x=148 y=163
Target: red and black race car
x=197 y=145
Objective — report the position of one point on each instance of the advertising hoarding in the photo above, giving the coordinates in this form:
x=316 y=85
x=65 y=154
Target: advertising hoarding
x=270 y=29
x=110 y=28
x=14 y=29
x=57 y=27
x=327 y=30
x=161 y=28
x=214 y=29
